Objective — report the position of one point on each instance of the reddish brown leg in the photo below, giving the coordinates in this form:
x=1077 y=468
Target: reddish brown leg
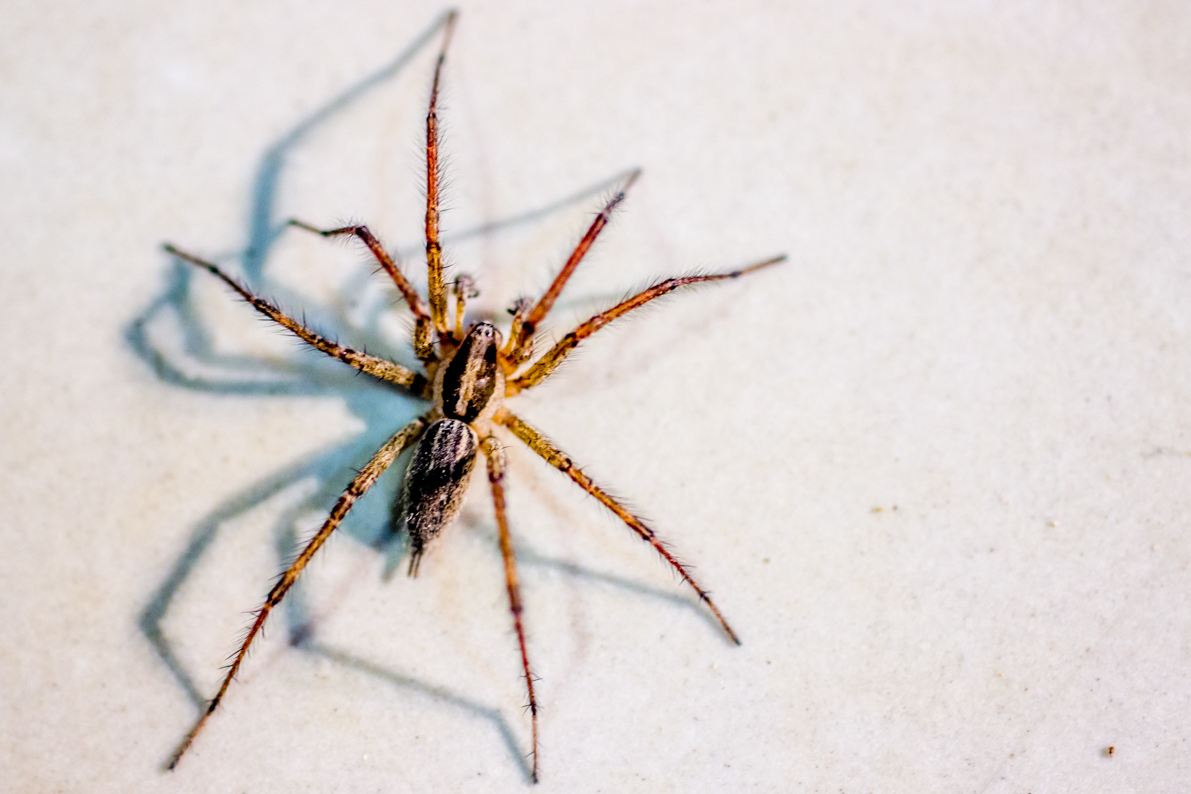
x=358 y=487
x=550 y=361
x=496 y=473
x=437 y=289
x=558 y=459
x=423 y=344
x=518 y=347
x=377 y=367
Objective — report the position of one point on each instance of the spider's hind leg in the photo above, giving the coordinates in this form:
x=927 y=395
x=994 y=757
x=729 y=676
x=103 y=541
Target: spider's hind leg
x=559 y=460
x=357 y=488
x=496 y=472
x=464 y=288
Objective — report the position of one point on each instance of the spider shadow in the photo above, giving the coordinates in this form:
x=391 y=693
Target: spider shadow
x=172 y=338
x=437 y=694
x=303 y=637
x=529 y=557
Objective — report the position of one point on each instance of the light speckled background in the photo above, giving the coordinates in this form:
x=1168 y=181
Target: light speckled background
x=983 y=323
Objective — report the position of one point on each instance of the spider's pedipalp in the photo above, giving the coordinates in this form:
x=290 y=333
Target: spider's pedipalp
x=463 y=287
x=524 y=351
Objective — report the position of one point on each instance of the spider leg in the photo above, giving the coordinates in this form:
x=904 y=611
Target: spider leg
x=519 y=346
x=559 y=460
x=358 y=487
x=549 y=362
x=377 y=367
x=423 y=345
x=437 y=289
x=496 y=472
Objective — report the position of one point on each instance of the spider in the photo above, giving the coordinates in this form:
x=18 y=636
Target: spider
x=470 y=371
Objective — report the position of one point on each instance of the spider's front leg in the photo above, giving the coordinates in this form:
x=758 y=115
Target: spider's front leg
x=519 y=346
x=436 y=286
x=423 y=343
x=544 y=366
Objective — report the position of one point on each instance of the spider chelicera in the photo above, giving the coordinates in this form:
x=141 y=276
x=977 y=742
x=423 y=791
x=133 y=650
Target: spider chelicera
x=470 y=370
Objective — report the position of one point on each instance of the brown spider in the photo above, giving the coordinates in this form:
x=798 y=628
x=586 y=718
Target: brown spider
x=469 y=375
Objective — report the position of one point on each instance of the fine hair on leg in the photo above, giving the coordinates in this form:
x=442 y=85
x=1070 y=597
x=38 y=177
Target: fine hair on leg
x=377 y=367
x=423 y=344
x=383 y=458
x=559 y=460
x=520 y=342
x=495 y=454
x=544 y=366
x=436 y=286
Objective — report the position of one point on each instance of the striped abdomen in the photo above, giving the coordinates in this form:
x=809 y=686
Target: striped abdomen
x=436 y=482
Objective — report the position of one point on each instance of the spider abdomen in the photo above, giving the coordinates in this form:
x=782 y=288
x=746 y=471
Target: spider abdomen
x=436 y=482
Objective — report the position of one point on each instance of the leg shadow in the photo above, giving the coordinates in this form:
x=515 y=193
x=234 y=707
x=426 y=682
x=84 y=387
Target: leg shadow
x=438 y=694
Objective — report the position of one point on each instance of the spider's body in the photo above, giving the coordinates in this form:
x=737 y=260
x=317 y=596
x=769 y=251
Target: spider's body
x=468 y=389
x=468 y=376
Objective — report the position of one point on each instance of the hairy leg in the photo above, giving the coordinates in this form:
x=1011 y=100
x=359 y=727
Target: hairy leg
x=377 y=367
x=519 y=347
x=496 y=473
x=358 y=487
x=544 y=366
x=559 y=460
x=423 y=344
x=437 y=289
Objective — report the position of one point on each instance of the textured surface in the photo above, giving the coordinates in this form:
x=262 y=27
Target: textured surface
x=935 y=468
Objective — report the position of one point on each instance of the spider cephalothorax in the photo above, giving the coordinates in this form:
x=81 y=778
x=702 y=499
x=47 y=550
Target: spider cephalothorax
x=468 y=376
